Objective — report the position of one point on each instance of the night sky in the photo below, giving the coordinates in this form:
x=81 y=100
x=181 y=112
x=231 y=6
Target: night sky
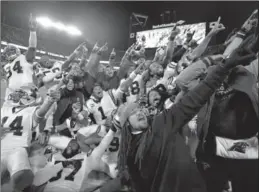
x=109 y=21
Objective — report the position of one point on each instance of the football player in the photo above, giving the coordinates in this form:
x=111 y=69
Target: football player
x=19 y=69
x=102 y=103
x=50 y=71
x=134 y=90
x=72 y=172
x=90 y=137
x=19 y=125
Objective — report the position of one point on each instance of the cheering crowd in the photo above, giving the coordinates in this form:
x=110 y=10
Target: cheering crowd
x=186 y=121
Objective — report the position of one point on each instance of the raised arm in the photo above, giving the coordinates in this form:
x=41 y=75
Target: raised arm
x=188 y=78
x=170 y=47
x=53 y=96
x=241 y=34
x=93 y=160
x=83 y=58
x=72 y=57
x=31 y=52
x=127 y=83
x=126 y=63
x=199 y=50
x=94 y=59
x=191 y=103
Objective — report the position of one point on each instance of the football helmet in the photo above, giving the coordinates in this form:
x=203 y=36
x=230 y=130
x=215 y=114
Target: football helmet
x=25 y=96
x=11 y=52
x=46 y=62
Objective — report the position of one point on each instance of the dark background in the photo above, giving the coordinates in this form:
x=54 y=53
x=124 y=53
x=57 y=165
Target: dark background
x=109 y=21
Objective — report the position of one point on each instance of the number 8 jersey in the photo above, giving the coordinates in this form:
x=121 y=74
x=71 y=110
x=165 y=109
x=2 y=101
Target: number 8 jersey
x=17 y=127
x=134 y=89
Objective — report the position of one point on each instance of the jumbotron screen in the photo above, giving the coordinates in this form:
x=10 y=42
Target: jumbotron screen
x=159 y=37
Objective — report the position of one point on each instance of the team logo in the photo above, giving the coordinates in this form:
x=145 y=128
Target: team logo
x=239 y=147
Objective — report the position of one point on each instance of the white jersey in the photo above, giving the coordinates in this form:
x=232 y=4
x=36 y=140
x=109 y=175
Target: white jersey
x=111 y=155
x=19 y=73
x=134 y=89
x=103 y=109
x=57 y=67
x=167 y=80
x=17 y=125
x=60 y=176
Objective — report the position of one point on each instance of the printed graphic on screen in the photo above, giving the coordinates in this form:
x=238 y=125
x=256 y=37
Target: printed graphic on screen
x=159 y=37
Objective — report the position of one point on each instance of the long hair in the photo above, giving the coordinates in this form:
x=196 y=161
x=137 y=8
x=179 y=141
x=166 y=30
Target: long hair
x=130 y=147
x=126 y=139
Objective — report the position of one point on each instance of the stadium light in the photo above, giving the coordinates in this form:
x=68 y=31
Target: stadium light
x=46 y=22
x=73 y=30
x=60 y=26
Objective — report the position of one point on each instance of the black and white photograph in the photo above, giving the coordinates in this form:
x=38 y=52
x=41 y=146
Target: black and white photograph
x=129 y=96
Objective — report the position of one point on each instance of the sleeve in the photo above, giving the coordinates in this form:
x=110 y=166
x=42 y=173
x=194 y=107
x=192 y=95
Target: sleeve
x=100 y=149
x=124 y=67
x=30 y=54
x=93 y=63
x=117 y=94
x=179 y=53
x=187 y=79
x=191 y=103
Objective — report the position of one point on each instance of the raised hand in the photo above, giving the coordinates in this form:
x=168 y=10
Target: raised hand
x=189 y=36
x=141 y=61
x=217 y=27
x=251 y=22
x=95 y=48
x=113 y=53
x=32 y=23
x=80 y=47
x=43 y=138
x=140 y=68
x=84 y=49
x=54 y=95
x=175 y=31
x=130 y=49
x=103 y=48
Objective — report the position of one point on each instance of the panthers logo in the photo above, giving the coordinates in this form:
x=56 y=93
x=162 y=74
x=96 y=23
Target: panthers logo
x=239 y=147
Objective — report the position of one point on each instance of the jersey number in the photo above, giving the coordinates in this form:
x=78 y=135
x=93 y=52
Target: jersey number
x=135 y=88
x=45 y=72
x=115 y=144
x=102 y=113
x=16 y=125
x=17 y=68
x=53 y=71
x=77 y=164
